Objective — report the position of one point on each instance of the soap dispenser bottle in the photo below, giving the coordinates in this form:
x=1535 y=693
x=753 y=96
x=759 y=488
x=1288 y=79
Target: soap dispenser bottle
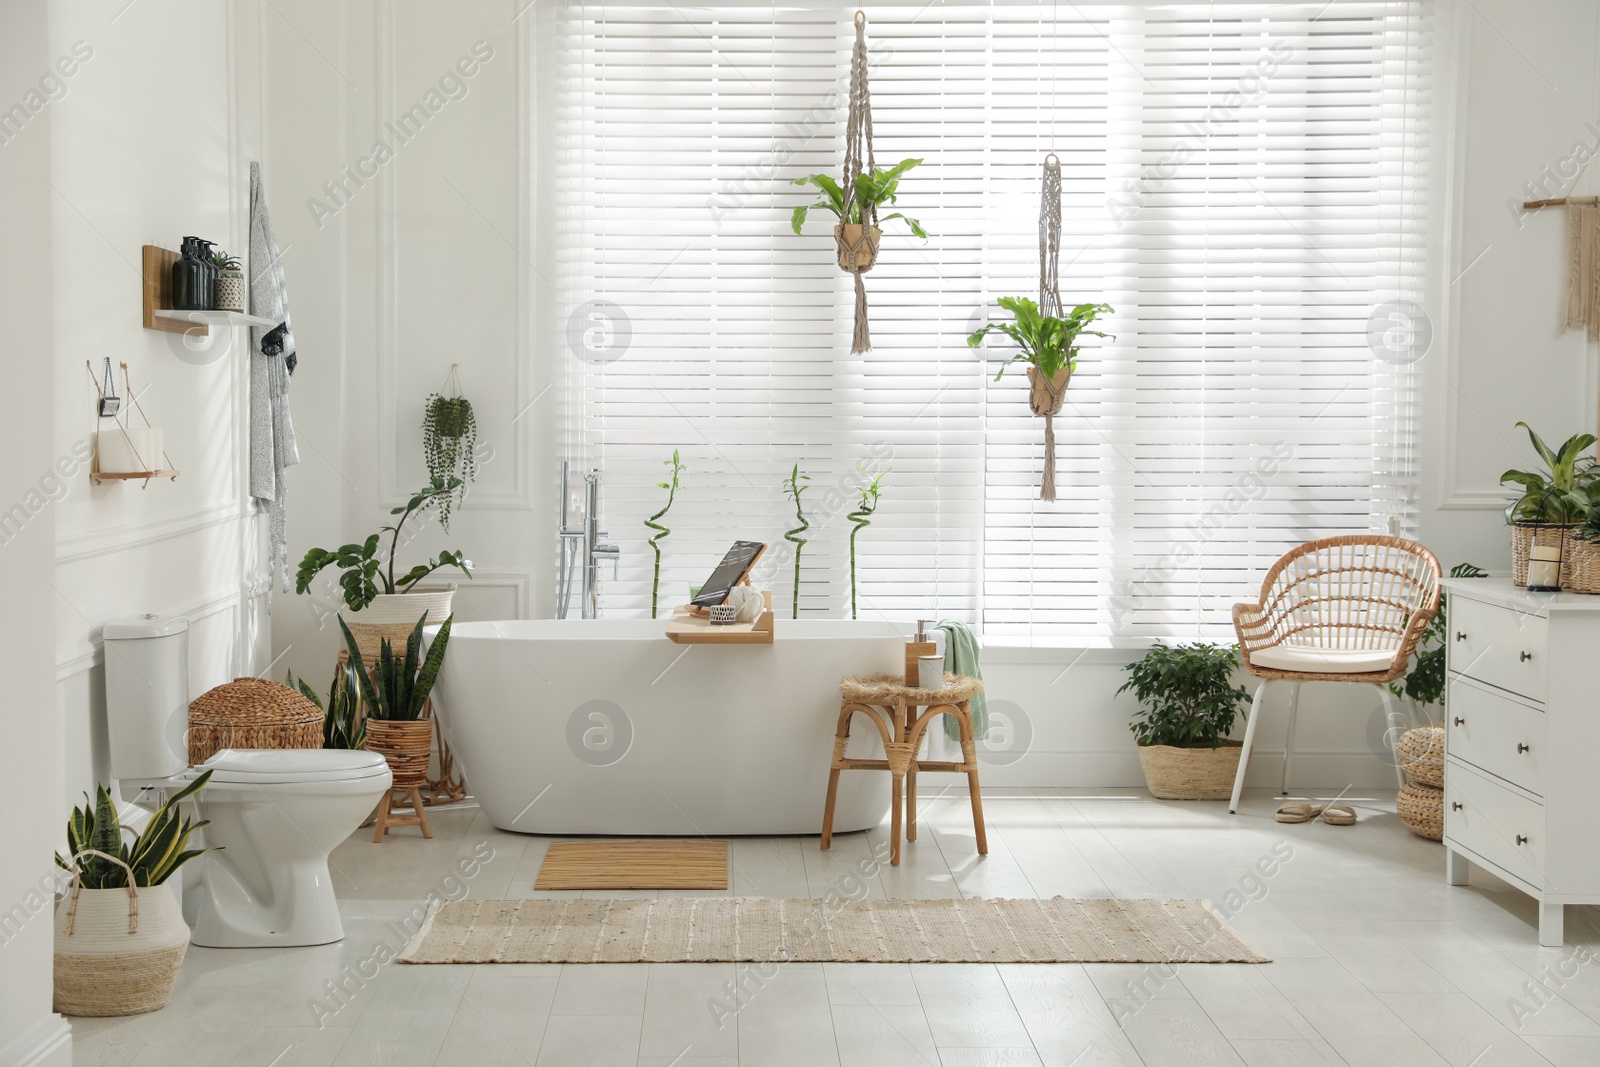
x=189 y=278
x=919 y=646
x=208 y=292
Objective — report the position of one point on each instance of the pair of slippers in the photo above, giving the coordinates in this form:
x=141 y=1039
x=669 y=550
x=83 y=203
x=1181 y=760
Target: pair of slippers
x=1332 y=814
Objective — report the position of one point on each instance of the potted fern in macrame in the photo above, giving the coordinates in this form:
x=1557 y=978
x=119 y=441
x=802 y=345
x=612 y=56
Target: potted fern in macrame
x=450 y=443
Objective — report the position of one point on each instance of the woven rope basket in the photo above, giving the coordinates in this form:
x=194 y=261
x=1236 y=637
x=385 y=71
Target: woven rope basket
x=1421 y=755
x=1190 y=773
x=370 y=637
x=251 y=713
x=1584 y=562
x=406 y=746
x=1527 y=535
x=1421 y=808
x=117 y=951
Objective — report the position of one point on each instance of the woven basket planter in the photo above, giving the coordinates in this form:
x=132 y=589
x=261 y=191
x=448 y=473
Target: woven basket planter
x=1526 y=535
x=1583 y=560
x=407 y=746
x=1421 y=808
x=230 y=291
x=1190 y=773
x=251 y=713
x=849 y=238
x=1421 y=755
x=118 y=951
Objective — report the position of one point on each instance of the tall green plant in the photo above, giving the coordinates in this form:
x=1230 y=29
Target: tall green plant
x=1424 y=683
x=1559 y=493
x=862 y=518
x=671 y=486
x=450 y=448
x=874 y=188
x=793 y=488
x=396 y=688
x=1185 y=699
x=1048 y=342
x=342 y=723
x=153 y=855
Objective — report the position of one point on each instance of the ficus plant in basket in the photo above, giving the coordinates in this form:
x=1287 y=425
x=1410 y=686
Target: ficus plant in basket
x=1187 y=706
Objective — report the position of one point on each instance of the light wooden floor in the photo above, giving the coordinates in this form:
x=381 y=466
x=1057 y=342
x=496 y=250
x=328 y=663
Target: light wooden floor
x=1377 y=962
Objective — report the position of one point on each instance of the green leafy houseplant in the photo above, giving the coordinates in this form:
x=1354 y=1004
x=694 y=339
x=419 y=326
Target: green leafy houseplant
x=793 y=488
x=1424 y=683
x=395 y=688
x=152 y=856
x=671 y=486
x=361 y=568
x=223 y=261
x=1047 y=342
x=449 y=446
x=1185 y=699
x=1561 y=492
x=862 y=518
x=874 y=188
x=342 y=722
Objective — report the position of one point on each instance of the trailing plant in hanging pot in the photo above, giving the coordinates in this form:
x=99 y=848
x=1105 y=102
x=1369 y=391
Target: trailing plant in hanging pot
x=450 y=442
x=792 y=488
x=671 y=486
x=862 y=518
x=1048 y=345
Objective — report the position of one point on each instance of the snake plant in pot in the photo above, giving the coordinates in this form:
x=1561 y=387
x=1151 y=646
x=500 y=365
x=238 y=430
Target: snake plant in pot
x=119 y=936
x=1187 y=705
x=395 y=692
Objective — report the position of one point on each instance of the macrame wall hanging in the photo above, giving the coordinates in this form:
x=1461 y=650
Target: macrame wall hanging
x=1047 y=394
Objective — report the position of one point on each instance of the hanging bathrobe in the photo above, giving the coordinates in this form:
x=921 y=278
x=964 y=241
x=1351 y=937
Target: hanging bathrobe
x=272 y=360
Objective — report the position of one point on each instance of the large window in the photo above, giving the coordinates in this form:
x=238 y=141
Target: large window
x=1244 y=183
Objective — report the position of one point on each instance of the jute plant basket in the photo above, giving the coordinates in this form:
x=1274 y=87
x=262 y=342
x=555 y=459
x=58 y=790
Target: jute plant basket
x=857 y=250
x=251 y=713
x=1421 y=754
x=1583 y=558
x=406 y=745
x=1421 y=808
x=1190 y=773
x=1527 y=535
x=117 y=951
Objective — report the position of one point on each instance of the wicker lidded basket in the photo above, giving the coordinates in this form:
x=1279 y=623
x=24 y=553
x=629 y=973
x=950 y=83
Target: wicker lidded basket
x=1421 y=755
x=1526 y=535
x=251 y=713
x=1421 y=808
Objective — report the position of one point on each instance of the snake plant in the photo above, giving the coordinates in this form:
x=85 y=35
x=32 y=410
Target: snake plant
x=1046 y=341
x=792 y=487
x=874 y=188
x=395 y=688
x=671 y=486
x=342 y=723
x=862 y=517
x=153 y=854
x=1560 y=492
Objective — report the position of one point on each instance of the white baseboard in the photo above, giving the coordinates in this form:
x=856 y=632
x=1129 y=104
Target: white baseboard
x=48 y=1043
x=1361 y=772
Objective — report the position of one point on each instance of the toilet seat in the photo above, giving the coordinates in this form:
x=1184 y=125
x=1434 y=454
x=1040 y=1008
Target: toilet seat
x=240 y=766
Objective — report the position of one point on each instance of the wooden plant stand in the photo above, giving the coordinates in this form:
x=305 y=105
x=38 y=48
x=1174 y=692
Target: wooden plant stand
x=386 y=817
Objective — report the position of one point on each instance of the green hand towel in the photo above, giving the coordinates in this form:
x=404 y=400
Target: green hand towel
x=961 y=657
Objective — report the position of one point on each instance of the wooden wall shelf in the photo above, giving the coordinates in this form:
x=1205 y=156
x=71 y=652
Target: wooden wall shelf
x=159 y=314
x=130 y=476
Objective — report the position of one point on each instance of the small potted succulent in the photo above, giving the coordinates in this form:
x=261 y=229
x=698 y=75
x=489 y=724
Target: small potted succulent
x=230 y=282
x=120 y=906
x=1554 y=501
x=1187 y=706
x=394 y=691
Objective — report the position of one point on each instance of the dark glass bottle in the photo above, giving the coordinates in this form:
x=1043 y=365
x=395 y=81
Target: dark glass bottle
x=189 y=278
x=209 y=292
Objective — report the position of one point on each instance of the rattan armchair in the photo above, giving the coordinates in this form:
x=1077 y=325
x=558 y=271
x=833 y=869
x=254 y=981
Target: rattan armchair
x=1339 y=609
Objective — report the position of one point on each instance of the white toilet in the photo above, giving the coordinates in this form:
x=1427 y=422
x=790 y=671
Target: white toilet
x=275 y=813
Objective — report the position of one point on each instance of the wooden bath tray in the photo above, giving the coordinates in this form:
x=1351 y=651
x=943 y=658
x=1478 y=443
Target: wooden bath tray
x=687 y=627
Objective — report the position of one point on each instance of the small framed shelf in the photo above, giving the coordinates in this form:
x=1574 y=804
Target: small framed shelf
x=97 y=477
x=190 y=319
x=160 y=315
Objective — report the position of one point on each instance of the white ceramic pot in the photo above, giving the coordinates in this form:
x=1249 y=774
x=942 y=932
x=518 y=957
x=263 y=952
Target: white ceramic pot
x=117 y=951
x=390 y=608
x=128 y=450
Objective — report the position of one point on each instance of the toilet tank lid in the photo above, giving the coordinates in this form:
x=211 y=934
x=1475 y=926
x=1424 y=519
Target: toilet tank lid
x=309 y=764
x=134 y=627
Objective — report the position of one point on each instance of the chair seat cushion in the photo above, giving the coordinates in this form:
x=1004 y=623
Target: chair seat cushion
x=1323 y=660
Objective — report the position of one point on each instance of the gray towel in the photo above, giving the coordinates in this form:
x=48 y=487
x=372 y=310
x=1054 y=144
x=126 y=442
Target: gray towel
x=272 y=355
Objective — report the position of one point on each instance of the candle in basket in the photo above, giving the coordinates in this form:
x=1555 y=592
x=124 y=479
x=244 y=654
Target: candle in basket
x=1544 y=570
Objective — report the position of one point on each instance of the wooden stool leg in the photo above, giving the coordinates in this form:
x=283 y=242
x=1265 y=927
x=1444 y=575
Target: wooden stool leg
x=969 y=757
x=977 y=812
x=895 y=814
x=827 y=810
x=421 y=811
x=381 y=824
x=911 y=802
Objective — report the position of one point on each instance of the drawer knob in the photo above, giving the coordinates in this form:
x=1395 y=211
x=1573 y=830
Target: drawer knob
x=1522 y=839
x=1460 y=636
x=1525 y=656
x=1455 y=805
x=1521 y=748
x=1460 y=721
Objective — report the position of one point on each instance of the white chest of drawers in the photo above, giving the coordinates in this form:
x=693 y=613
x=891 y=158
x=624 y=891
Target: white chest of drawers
x=1522 y=743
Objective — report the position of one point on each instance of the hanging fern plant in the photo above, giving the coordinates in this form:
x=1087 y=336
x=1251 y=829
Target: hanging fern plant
x=450 y=442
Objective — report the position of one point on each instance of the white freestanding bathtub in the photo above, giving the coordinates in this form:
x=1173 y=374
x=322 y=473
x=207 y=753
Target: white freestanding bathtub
x=603 y=726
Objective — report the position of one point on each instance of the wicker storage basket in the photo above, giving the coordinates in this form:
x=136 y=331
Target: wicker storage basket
x=1421 y=755
x=1583 y=560
x=251 y=713
x=1421 y=808
x=1190 y=773
x=1525 y=535
x=117 y=951
x=406 y=745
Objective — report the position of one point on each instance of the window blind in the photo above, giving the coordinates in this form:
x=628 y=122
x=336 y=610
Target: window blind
x=1244 y=183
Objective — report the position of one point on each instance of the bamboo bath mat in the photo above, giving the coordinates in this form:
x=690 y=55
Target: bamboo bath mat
x=634 y=865
x=738 y=929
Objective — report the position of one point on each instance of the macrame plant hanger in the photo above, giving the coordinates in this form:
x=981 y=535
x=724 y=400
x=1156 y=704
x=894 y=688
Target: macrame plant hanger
x=858 y=243
x=1045 y=396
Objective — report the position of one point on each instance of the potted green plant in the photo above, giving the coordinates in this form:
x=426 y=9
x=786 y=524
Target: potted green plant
x=1048 y=344
x=875 y=188
x=449 y=444
x=120 y=906
x=1424 y=682
x=230 y=282
x=792 y=488
x=671 y=486
x=342 y=723
x=861 y=518
x=367 y=581
x=1553 y=501
x=395 y=692
x=1187 y=706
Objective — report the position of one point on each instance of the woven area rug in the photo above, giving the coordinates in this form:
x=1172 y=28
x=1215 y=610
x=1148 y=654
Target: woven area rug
x=634 y=865
x=735 y=929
